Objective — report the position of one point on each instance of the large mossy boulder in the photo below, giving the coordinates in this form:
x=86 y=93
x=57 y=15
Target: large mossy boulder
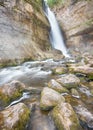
x=50 y=98
x=57 y=86
x=15 y=117
x=11 y=91
x=69 y=81
x=65 y=117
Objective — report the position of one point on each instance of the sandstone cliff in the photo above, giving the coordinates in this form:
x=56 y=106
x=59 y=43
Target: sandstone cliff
x=23 y=31
x=76 y=19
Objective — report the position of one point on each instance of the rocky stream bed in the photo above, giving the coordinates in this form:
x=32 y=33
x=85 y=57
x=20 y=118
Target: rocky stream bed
x=47 y=95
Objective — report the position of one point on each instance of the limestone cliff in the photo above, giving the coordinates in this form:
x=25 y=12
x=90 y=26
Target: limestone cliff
x=23 y=31
x=76 y=19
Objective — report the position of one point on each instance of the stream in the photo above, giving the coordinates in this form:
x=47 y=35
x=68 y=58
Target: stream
x=36 y=74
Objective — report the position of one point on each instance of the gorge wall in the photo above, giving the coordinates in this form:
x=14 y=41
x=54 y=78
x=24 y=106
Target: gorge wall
x=23 y=31
x=76 y=19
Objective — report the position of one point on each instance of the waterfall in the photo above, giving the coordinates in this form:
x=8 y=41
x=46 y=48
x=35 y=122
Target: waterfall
x=56 y=37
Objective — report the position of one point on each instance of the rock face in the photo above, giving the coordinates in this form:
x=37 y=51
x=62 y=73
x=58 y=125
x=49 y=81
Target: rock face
x=76 y=19
x=11 y=91
x=23 y=31
x=69 y=81
x=50 y=98
x=14 y=117
x=65 y=117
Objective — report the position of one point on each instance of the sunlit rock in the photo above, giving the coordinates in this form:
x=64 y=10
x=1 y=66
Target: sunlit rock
x=69 y=81
x=50 y=98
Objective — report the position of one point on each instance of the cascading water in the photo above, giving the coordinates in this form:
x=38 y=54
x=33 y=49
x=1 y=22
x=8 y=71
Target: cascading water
x=56 y=37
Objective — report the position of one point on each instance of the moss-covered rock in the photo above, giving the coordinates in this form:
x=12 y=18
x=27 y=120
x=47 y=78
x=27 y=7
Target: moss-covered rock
x=50 y=98
x=11 y=91
x=57 y=87
x=65 y=117
x=59 y=70
x=15 y=117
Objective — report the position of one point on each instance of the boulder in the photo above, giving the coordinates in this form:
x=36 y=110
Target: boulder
x=50 y=98
x=69 y=81
x=57 y=87
x=59 y=70
x=14 y=117
x=11 y=91
x=65 y=117
x=85 y=69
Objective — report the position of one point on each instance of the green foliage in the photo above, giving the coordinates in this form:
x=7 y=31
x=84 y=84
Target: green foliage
x=54 y=2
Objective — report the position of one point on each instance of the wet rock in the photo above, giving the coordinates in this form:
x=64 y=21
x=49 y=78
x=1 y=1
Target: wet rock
x=85 y=69
x=65 y=117
x=14 y=117
x=50 y=98
x=59 y=70
x=69 y=81
x=75 y=93
x=85 y=116
x=11 y=91
x=57 y=87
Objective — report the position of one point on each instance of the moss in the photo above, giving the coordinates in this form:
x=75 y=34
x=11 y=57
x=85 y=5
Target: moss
x=6 y=99
x=36 y=4
x=1 y=121
x=56 y=113
x=23 y=119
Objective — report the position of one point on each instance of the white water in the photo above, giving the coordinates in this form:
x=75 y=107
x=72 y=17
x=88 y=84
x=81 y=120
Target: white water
x=55 y=34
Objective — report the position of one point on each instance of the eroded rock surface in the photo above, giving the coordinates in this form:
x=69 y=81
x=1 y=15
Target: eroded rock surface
x=76 y=19
x=23 y=31
x=14 y=117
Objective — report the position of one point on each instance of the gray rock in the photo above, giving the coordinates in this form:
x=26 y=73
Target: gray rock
x=85 y=116
x=69 y=81
x=57 y=87
x=50 y=98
